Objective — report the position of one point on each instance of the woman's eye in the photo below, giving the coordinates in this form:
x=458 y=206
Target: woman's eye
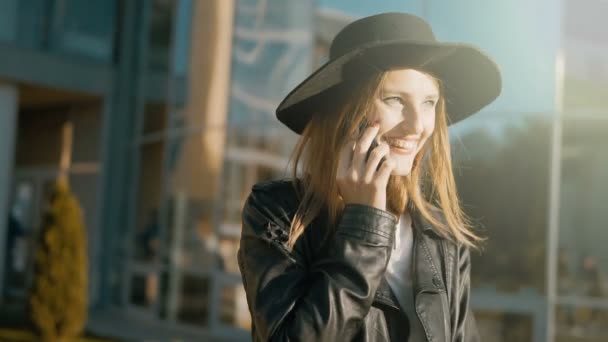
x=430 y=103
x=393 y=100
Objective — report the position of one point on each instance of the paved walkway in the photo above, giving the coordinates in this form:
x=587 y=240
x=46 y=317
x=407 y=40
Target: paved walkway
x=13 y=335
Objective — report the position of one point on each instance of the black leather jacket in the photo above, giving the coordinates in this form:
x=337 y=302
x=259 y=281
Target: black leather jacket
x=336 y=291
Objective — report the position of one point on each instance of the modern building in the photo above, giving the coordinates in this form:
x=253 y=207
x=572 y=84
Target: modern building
x=172 y=103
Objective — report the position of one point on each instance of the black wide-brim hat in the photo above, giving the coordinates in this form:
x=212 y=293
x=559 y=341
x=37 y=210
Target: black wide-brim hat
x=470 y=78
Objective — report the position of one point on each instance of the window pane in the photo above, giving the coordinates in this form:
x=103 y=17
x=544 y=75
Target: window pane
x=236 y=179
x=155 y=118
x=263 y=136
x=8 y=20
x=240 y=173
x=43 y=122
x=233 y=308
x=87 y=28
x=193 y=304
x=147 y=233
x=502 y=171
x=586 y=67
x=228 y=247
x=192 y=242
x=504 y=327
x=194 y=176
x=161 y=28
x=144 y=290
x=87 y=133
x=583 y=260
x=581 y=322
x=20 y=237
x=32 y=20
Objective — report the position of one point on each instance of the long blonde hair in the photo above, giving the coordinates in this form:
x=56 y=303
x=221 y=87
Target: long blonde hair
x=429 y=186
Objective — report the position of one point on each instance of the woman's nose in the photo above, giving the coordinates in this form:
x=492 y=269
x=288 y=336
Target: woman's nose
x=412 y=120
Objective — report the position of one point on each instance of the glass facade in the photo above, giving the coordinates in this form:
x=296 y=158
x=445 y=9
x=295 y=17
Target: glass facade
x=513 y=156
x=196 y=165
x=581 y=261
x=72 y=28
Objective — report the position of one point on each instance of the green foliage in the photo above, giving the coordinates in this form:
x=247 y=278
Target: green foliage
x=58 y=298
x=505 y=190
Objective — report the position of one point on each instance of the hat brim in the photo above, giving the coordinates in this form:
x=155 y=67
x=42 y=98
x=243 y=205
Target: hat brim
x=471 y=79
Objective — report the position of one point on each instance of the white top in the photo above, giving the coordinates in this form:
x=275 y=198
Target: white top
x=399 y=275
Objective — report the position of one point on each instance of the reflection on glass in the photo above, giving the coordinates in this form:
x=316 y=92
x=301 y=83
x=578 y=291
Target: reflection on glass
x=84 y=186
x=264 y=137
x=87 y=132
x=502 y=176
x=191 y=233
x=504 y=327
x=18 y=239
x=265 y=173
x=583 y=261
x=8 y=15
x=155 y=117
x=194 y=176
x=161 y=28
x=86 y=28
x=147 y=234
x=148 y=238
x=566 y=281
x=228 y=247
x=580 y=278
x=243 y=137
x=240 y=174
x=193 y=302
x=581 y=323
x=144 y=290
x=233 y=189
x=233 y=307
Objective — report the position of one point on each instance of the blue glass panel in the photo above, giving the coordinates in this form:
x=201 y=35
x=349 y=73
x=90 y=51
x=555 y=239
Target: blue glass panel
x=85 y=27
x=8 y=18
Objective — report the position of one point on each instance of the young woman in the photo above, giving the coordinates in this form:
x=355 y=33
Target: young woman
x=367 y=242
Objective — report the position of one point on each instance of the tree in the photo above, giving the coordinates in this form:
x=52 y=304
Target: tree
x=504 y=189
x=58 y=297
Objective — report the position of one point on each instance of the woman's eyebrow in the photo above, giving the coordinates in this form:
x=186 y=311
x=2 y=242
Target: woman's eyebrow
x=407 y=94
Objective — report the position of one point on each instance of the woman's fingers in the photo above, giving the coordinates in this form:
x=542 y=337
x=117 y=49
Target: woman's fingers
x=375 y=157
x=362 y=147
x=360 y=181
x=346 y=157
x=381 y=177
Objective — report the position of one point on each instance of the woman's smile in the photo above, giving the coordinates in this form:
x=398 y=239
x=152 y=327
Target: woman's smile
x=402 y=146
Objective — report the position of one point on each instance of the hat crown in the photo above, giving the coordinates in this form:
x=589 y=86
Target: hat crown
x=378 y=28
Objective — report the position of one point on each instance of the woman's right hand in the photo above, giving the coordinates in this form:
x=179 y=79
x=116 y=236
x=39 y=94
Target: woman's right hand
x=361 y=181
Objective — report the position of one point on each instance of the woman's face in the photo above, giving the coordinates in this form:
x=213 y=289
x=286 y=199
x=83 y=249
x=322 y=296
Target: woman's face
x=405 y=110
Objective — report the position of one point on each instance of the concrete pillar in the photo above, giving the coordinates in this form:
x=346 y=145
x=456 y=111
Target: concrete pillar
x=9 y=97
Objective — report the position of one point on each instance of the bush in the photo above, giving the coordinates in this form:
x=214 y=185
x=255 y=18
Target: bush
x=58 y=298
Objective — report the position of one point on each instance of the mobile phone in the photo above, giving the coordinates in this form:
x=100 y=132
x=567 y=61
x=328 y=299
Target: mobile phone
x=362 y=127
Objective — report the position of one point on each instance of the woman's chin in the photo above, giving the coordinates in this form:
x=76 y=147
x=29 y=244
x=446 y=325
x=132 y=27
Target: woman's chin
x=403 y=165
x=401 y=171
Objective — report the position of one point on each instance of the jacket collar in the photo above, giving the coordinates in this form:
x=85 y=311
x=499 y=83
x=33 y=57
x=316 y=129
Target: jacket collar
x=426 y=262
x=429 y=279
x=420 y=222
x=428 y=282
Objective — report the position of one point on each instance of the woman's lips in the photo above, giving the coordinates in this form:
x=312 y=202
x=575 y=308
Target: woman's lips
x=400 y=150
x=402 y=146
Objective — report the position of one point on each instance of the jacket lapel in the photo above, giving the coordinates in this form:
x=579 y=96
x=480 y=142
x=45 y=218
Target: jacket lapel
x=429 y=288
